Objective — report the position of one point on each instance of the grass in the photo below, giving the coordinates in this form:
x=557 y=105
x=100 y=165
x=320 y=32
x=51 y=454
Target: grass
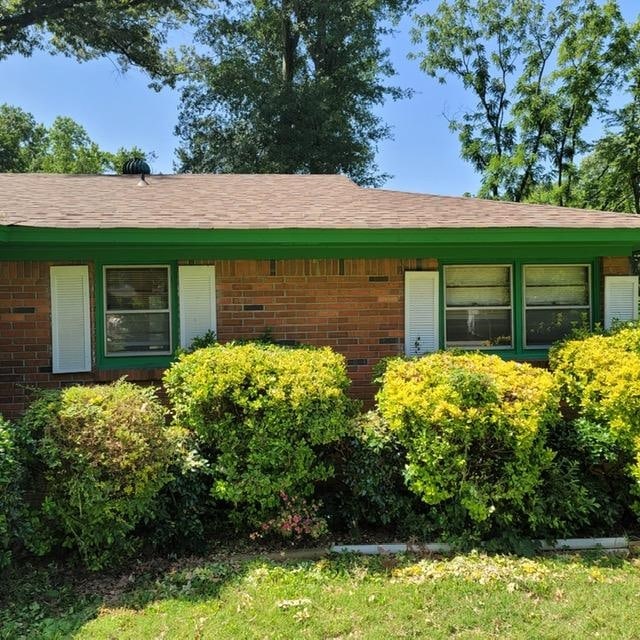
x=471 y=596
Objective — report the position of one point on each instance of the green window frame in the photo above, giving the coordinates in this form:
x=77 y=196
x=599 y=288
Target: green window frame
x=125 y=305
x=136 y=360
x=482 y=315
x=519 y=350
x=558 y=300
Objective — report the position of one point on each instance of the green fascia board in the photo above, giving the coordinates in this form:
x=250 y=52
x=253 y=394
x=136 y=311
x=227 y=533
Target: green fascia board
x=31 y=243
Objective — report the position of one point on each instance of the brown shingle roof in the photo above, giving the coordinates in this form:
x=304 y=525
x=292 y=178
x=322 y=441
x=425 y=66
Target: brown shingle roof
x=262 y=202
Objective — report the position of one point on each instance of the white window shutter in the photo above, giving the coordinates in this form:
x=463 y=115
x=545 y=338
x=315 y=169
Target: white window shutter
x=197 y=296
x=70 y=319
x=421 y=312
x=620 y=299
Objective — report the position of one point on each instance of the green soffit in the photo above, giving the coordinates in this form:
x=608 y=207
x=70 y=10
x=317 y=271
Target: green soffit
x=43 y=243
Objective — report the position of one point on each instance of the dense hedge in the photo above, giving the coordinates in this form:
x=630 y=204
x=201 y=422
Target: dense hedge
x=264 y=414
x=99 y=456
x=474 y=427
x=599 y=379
x=8 y=472
x=370 y=490
x=461 y=447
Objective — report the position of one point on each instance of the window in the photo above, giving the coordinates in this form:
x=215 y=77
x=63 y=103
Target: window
x=556 y=300
x=137 y=310
x=478 y=306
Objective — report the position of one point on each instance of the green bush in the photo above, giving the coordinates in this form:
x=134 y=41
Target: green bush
x=264 y=413
x=8 y=489
x=185 y=514
x=370 y=490
x=100 y=455
x=599 y=379
x=474 y=428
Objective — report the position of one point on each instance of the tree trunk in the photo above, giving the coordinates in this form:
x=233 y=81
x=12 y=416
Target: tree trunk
x=289 y=44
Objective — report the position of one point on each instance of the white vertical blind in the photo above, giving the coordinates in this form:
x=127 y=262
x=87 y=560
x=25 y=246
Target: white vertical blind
x=620 y=299
x=70 y=319
x=421 y=312
x=197 y=293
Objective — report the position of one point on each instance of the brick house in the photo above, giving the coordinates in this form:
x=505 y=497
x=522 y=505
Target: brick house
x=104 y=276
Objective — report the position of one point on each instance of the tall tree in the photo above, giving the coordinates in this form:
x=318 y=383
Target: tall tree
x=609 y=177
x=289 y=86
x=538 y=77
x=22 y=140
x=27 y=146
x=133 y=31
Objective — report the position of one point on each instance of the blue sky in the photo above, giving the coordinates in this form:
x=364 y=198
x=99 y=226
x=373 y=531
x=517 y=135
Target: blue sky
x=120 y=110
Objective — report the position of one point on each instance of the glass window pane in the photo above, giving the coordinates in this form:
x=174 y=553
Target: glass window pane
x=478 y=328
x=480 y=286
x=545 y=326
x=137 y=332
x=137 y=289
x=556 y=285
x=477 y=275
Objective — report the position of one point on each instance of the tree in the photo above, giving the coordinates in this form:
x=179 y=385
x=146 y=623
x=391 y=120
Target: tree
x=539 y=78
x=21 y=140
x=134 y=31
x=289 y=86
x=26 y=146
x=70 y=150
x=609 y=178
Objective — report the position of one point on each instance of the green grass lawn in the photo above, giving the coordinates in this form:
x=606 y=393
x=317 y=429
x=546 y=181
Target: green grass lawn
x=472 y=596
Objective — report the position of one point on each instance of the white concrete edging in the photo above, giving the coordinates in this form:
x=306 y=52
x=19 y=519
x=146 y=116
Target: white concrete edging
x=567 y=544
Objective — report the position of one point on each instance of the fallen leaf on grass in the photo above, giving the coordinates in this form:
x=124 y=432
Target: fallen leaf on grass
x=288 y=604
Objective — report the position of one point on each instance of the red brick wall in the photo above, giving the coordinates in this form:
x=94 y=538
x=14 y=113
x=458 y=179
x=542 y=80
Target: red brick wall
x=25 y=337
x=616 y=266
x=356 y=306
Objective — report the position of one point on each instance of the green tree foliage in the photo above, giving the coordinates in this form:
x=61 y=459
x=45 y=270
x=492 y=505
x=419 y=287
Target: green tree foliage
x=27 y=146
x=22 y=140
x=289 y=86
x=609 y=177
x=538 y=77
x=131 y=31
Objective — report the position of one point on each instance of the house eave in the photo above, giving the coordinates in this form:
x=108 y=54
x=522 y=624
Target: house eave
x=55 y=243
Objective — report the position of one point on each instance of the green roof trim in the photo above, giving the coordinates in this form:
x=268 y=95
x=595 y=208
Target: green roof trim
x=52 y=243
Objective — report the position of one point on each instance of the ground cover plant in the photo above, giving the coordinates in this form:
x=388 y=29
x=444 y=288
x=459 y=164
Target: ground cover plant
x=263 y=414
x=465 y=596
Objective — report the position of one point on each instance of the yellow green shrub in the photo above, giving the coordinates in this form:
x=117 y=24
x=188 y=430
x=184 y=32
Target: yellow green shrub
x=99 y=455
x=474 y=429
x=8 y=471
x=599 y=379
x=264 y=413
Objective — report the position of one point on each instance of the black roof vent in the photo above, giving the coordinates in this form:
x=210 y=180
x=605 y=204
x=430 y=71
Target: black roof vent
x=136 y=166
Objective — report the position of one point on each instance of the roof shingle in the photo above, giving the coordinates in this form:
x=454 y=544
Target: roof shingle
x=265 y=201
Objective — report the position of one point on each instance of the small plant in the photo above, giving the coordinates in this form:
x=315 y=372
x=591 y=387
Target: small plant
x=208 y=339
x=298 y=520
x=370 y=488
